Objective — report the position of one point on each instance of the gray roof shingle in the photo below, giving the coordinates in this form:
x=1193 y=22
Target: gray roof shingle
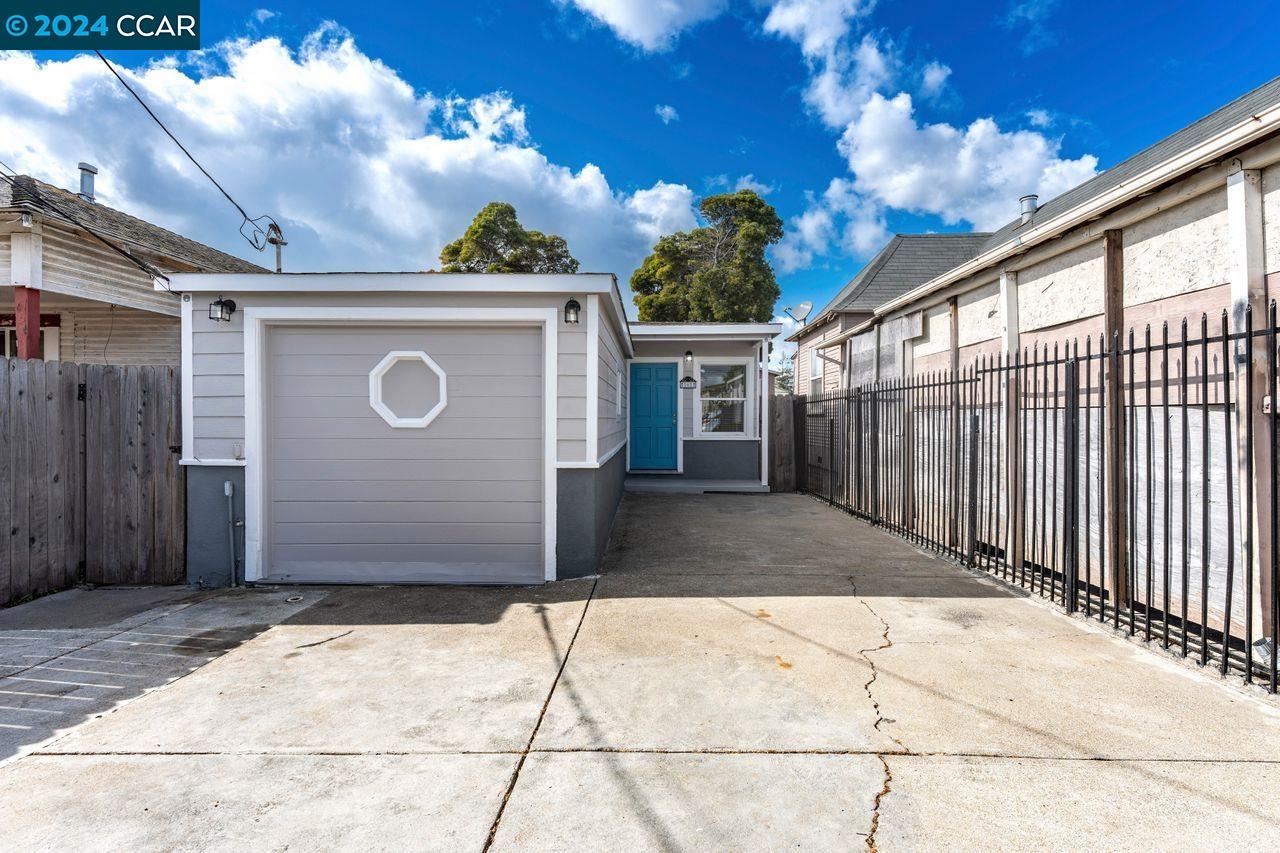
x=30 y=195
x=908 y=261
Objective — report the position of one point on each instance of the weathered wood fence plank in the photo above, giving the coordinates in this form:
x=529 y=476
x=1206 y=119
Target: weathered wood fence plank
x=89 y=487
x=782 y=446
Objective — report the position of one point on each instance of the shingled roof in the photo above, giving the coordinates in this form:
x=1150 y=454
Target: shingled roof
x=29 y=195
x=908 y=261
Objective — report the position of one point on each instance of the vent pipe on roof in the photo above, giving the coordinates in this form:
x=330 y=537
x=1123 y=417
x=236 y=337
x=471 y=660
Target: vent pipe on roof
x=1030 y=203
x=87 y=171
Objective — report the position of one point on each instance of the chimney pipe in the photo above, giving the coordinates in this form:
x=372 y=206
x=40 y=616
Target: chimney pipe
x=1030 y=203
x=87 y=171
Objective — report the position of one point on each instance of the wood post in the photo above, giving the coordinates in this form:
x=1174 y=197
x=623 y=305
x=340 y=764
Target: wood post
x=1249 y=289
x=1117 y=491
x=1012 y=413
x=26 y=313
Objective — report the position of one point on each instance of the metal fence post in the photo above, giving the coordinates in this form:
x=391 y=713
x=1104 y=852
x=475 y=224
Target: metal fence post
x=874 y=438
x=1070 y=486
x=974 y=427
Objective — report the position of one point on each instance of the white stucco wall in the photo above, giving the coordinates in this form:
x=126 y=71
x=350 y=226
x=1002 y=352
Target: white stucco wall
x=1176 y=251
x=1271 y=216
x=979 y=311
x=1060 y=289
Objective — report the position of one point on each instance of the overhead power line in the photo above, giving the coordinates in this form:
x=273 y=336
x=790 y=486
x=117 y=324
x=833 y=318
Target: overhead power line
x=258 y=235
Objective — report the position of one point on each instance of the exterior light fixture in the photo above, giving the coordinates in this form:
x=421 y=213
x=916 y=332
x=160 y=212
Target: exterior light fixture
x=688 y=358
x=571 y=309
x=688 y=381
x=220 y=310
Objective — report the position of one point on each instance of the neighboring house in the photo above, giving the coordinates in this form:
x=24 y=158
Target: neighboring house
x=1189 y=225
x=79 y=300
x=906 y=262
x=418 y=427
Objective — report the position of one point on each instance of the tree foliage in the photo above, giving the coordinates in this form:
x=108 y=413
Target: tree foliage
x=716 y=273
x=786 y=381
x=497 y=242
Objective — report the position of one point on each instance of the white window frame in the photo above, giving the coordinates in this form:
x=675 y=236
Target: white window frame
x=52 y=340
x=749 y=403
x=817 y=371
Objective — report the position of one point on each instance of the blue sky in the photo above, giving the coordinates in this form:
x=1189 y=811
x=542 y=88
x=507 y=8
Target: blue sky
x=667 y=107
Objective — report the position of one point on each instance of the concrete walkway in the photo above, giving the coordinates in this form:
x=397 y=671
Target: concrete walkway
x=750 y=673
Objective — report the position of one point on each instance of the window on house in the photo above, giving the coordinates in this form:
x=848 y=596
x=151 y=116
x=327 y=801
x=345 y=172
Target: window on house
x=723 y=398
x=815 y=372
x=10 y=348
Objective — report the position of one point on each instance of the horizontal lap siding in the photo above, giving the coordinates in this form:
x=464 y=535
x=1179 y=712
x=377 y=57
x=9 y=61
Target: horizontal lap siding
x=81 y=267
x=352 y=498
x=612 y=426
x=218 y=370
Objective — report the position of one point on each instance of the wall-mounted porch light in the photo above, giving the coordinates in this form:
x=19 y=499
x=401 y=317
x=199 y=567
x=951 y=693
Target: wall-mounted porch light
x=571 y=310
x=220 y=310
x=688 y=358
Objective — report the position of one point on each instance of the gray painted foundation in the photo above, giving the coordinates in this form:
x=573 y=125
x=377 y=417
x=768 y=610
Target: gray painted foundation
x=208 y=551
x=722 y=460
x=586 y=502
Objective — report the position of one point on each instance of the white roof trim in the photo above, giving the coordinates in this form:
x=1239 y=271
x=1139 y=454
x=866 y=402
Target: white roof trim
x=389 y=282
x=706 y=330
x=409 y=282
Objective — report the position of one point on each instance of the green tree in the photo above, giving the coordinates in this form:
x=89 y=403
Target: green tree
x=786 y=381
x=497 y=242
x=716 y=273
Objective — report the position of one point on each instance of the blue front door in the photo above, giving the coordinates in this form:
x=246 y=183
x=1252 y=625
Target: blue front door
x=653 y=416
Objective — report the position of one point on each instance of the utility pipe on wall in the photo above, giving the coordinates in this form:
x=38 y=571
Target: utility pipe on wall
x=229 y=489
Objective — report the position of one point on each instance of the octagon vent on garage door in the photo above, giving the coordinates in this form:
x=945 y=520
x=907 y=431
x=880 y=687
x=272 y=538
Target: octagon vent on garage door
x=419 y=394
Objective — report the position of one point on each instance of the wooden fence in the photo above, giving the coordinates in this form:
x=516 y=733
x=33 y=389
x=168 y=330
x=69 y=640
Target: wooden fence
x=782 y=444
x=90 y=486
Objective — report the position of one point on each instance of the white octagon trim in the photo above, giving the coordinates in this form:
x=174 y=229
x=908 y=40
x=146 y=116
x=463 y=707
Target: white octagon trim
x=389 y=361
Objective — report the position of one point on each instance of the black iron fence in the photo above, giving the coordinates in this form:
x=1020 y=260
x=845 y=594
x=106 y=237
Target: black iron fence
x=1122 y=479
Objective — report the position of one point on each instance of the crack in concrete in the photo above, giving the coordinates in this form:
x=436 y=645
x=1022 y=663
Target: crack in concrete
x=875 y=809
x=865 y=654
x=542 y=713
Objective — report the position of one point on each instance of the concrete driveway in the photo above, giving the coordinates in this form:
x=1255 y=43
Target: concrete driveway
x=750 y=673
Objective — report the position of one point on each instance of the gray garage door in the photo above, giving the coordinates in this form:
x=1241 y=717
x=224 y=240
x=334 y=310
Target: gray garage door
x=352 y=499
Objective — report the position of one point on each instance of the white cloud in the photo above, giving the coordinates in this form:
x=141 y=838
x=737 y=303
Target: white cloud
x=970 y=174
x=933 y=78
x=973 y=174
x=1031 y=17
x=841 y=83
x=782 y=348
x=263 y=15
x=841 y=219
x=651 y=25
x=362 y=171
x=667 y=113
x=742 y=182
x=1040 y=118
x=816 y=25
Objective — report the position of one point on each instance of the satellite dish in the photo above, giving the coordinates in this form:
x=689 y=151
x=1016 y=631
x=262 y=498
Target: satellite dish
x=800 y=312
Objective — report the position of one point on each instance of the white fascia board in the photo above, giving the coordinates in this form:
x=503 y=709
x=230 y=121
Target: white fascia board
x=698 y=330
x=390 y=282
x=1249 y=131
